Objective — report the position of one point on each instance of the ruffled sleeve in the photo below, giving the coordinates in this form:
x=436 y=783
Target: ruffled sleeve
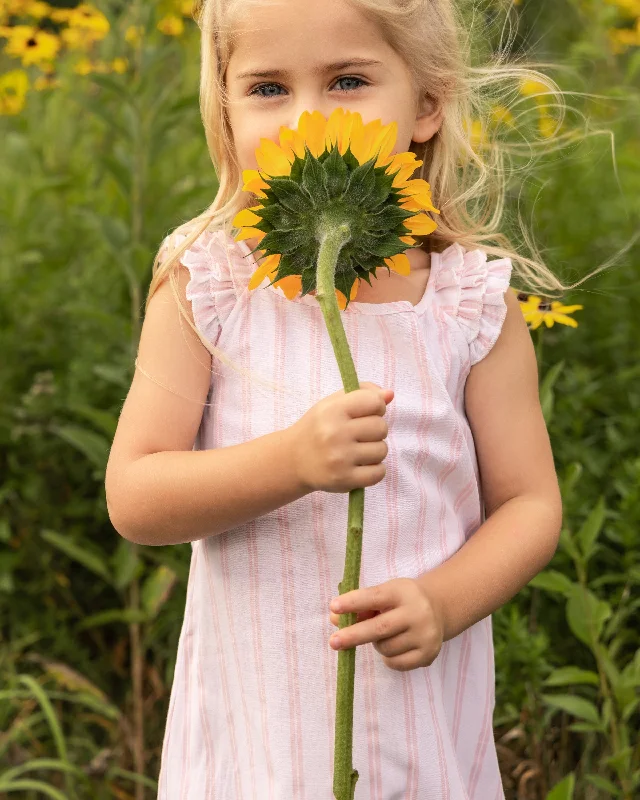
x=210 y=289
x=471 y=289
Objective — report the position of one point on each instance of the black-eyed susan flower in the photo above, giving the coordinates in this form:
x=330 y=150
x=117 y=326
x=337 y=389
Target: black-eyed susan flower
x=536 y=310
x=31 y=45
x=336 y=204
x=325 y=173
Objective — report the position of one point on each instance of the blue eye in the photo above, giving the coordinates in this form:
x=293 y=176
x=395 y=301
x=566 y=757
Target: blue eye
x=256 y=90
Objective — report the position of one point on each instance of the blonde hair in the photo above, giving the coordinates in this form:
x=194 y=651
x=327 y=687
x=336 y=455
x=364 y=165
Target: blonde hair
x=469 y=180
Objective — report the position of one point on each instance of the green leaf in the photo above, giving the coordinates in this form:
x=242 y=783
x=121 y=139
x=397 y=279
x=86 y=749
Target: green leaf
x=290 y=195
x=335 y=174
x=552 y=581
x=587 y=727
x=313 y=178
x=49 y=712
x=568 y=676
x=547 y=390
x=80 y=553
x=603 y=783
x=157 y=589
x=126 y=563
x=32 y=786
x=93 y=446
x=588 y=534
x=576 y=706
x=586 y=615
x=563 y=790
x=124 y=615
x=362 y=184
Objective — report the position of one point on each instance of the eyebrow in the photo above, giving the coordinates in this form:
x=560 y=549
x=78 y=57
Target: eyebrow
x=280 y=73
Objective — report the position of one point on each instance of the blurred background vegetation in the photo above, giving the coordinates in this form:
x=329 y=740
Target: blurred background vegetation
x=103 y=153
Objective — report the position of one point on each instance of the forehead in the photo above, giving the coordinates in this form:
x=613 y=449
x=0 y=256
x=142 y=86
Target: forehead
x=296 y=34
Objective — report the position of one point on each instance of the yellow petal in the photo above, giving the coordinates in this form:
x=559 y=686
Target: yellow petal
x=311 y=127
x=404 y=173
x=557 y=306
x=536 y=322
x=342 y=300
x=354 y=289
x=548 y=320
x=291 y=143
x=245 y=219
x=267 y=268
x=291 y=285
x=272 y=159
x=384 y=143
x=420 y=225
x=399 y=263
x=334 y=126
x=250 y=233
x=408 y=240
x=564 y=320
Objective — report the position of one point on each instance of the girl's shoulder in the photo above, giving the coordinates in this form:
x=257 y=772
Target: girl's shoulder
x=470 y=289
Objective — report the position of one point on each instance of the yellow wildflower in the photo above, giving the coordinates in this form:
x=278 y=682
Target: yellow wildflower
x=133 y=35
x=13 y=89
x=171 y=25
x=536 y=311
x=31 y=45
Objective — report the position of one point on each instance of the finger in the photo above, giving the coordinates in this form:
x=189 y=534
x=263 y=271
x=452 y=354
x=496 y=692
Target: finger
x=371 y=453
x=396 y=645
x=410 y=660
x=335 y=618
x=379 y=627
x=365 y=403
x=369 y=429
x=384 y=596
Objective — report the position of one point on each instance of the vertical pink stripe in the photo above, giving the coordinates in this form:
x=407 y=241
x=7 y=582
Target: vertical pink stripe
x=486 y=729
x=237 y=660
x=442 y=760
x=223 y=666
x=426 y=415
x=391 y=480
x=256 y=629
x=289 y=589
x=188 y=651
x=369 y=671
x=316 y=327
x=252 y=554
x=206 y=731
x=463 y=664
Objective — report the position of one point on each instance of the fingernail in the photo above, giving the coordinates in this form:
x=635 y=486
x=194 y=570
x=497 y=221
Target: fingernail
x=336 y=641
x=336 y=605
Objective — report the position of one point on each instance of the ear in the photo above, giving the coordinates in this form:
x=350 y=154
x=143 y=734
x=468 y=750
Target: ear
x=429 y=118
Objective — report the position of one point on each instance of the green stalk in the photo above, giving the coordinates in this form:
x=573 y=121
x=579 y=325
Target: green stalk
x=334 y=236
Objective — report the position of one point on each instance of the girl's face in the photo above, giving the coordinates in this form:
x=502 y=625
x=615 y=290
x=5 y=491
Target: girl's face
x=307 y=52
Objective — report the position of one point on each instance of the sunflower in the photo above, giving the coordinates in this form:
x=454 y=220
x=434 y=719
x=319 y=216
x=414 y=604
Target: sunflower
x=536 y=310
x=325 y=173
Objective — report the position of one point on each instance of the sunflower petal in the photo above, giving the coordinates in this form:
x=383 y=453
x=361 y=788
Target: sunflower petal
x=399 y=263
x=245 y=219
x=250 y=233
x=267 y=268
x=291 y=285
x=272 y=159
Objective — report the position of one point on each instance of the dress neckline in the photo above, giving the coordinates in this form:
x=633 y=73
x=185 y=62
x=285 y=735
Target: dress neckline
x=392 y=307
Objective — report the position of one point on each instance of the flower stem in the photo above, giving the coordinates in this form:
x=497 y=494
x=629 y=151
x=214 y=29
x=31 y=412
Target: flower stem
x=334 y=237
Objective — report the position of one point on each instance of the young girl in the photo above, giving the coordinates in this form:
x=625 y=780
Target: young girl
x=253 y=465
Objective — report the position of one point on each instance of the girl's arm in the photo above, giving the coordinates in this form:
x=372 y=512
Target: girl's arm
x=522 y=498
x=159 y=491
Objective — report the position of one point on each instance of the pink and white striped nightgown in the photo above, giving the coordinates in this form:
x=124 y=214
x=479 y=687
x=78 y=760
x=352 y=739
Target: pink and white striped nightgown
x=251 y=713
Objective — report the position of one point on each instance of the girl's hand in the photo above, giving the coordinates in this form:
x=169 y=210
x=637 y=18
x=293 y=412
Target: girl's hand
x=404 y=624
x=338 y=445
